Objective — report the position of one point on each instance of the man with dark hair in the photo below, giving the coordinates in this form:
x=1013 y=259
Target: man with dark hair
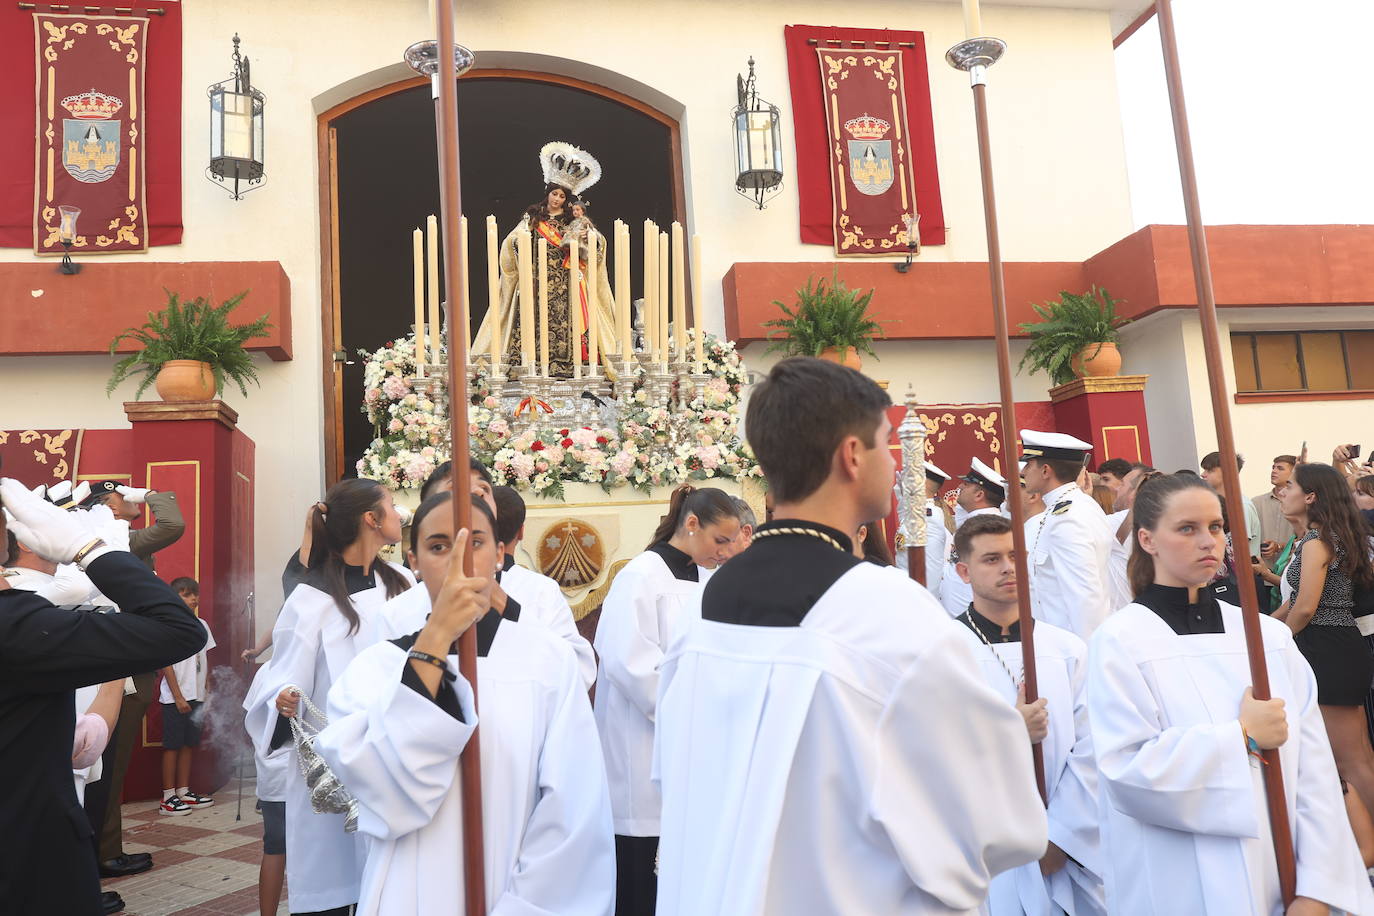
x=540 y=598
x=983 y=493
x=1113 y=473
x=797 y=736
x=1275 y=529
x=1211 y=472
x=1067 y=874
x=1068 y=545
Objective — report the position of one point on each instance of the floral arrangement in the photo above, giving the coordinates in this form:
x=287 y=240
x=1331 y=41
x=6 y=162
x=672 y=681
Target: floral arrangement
x=650 y=445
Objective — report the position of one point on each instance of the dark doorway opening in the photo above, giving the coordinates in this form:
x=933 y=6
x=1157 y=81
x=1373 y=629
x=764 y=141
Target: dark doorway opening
x=387 y=181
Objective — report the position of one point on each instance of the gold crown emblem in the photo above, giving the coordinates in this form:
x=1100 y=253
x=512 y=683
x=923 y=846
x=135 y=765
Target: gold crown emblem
x=867 y=128
x=93 y=106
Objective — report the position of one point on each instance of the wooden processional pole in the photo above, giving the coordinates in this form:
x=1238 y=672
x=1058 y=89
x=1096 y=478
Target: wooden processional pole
x=1230 y=470
x=974 y=56
x=445 y=71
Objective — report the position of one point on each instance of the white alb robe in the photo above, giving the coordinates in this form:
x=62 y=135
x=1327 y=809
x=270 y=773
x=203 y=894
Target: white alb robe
x=955 y=593
x=855 y=764
x=546 y=818
x=1184 y=818
x=1070 y=776
x=642 y=613
x=311 y=647
x=542 y=602
x=1118 y=560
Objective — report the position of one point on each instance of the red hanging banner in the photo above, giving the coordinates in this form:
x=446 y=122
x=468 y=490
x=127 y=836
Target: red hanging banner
x=872 y=193
x=90 y=158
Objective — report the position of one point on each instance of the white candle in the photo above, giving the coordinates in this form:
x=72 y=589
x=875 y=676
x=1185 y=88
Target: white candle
x=593 y=303
x=648 y=315
x=664 y=354
x=679 y=293
x=973 y=20
x=418 y=243
x=698 y=282
x=432 y=235
x=622 y=293
x=522 y=242
x=575 y=306
x=543 y=250
x=494 y=294
x=464 y=306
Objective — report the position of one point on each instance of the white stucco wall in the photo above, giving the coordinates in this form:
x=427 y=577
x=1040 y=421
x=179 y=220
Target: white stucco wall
x=1058 y=155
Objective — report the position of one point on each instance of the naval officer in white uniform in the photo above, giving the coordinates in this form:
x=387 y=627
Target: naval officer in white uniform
x=1068 y=546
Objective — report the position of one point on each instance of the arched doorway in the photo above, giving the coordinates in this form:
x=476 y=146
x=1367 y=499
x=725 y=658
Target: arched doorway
x=379 y=180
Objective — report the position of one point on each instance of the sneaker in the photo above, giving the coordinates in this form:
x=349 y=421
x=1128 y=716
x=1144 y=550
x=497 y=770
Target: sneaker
x=174 y=807
x=196 y=800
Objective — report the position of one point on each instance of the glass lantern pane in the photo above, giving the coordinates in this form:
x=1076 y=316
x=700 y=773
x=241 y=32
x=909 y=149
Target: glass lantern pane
x=741 y=142
x=238 y=125
x=775 y=131
x=216 y=124
x=761 y=140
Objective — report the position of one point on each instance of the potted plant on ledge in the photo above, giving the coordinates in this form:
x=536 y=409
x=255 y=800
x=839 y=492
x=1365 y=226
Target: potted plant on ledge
x=188 y=350
x=1077 y=337
x=830 y=321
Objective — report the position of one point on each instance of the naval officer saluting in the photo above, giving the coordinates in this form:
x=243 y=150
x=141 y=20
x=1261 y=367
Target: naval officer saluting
x=983 y=493
x=1068 y=546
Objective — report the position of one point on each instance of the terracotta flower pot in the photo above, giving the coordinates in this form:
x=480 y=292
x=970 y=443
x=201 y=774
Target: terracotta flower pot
x=185 y=380
x=1097 y=361
x=849 y=356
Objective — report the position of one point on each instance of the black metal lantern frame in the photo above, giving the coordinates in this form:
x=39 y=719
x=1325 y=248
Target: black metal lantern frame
x=758 y=143
x=236 y=131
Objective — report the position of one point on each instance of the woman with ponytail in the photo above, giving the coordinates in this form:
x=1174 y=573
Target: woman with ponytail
x=321 y=627
x=639 y=618
x=1179 y=736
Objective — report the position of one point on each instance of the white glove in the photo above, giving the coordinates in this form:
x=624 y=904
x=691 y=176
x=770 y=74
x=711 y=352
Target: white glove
x=60 y=490
x=82 y=490
x=53 y=534
x=133 y=494
x=114 y=531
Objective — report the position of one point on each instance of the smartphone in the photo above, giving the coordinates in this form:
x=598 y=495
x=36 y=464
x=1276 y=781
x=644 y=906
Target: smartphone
x=1354 y=451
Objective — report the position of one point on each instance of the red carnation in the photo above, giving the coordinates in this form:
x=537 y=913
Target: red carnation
x=562 y=432
x=567 y=443
x=601 y=440
x=536 y=446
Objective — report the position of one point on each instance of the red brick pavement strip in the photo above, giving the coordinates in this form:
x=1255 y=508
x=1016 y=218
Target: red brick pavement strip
x=161 y=834
x=249 y=852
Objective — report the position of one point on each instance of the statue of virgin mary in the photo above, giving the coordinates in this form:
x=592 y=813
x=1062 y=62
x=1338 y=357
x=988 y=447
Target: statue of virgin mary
x=568 y=172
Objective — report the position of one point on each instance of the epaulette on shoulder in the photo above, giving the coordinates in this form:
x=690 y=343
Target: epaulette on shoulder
x=1062 y=507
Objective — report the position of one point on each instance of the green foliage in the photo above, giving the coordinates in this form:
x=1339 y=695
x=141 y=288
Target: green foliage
x=190 y=330
x=1067 y=326
x=825 y=316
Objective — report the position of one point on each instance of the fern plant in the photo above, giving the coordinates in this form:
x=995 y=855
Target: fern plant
x=190 y=330
x=825 y=316
x=1069 y=325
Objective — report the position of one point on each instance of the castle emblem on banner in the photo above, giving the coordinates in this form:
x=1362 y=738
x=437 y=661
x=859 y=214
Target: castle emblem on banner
x=870 y=156
x=90 y=138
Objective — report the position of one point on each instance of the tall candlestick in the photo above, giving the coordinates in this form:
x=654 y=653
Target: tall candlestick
x=593 y=303
x=664 y=354
x=418 y=242
x=464 y=315
x=648 y=315
x=973 y=20
x=698 y=282
x=522 y=242
x=575 y=306
x=494 y=295
x=622 y=293
x=432 y=234
x=543 y=250
x=679 y=294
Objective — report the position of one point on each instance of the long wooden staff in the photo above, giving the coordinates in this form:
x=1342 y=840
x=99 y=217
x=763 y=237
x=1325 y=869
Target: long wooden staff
x=975 y=56
x=456 y=329
x=1230 y=470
